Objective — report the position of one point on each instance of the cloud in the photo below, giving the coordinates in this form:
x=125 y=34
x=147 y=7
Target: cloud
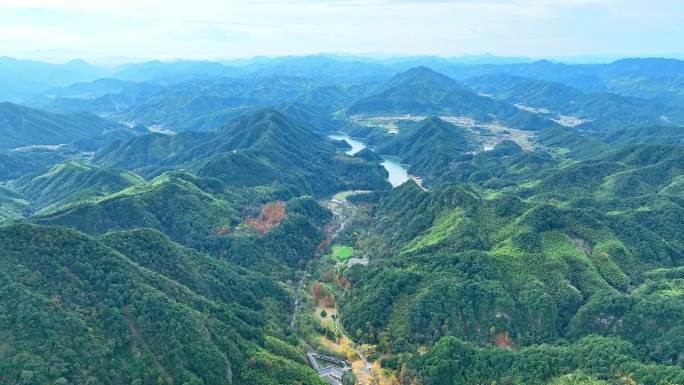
x=212 y=28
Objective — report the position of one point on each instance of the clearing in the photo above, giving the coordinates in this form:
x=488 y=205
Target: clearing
x=342 y=253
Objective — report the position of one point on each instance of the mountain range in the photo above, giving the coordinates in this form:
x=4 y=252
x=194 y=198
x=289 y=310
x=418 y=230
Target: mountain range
x=397 y=221
x=22 y=126
x=421 y=91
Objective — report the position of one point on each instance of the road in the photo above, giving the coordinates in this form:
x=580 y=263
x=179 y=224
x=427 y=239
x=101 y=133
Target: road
x=366 y=373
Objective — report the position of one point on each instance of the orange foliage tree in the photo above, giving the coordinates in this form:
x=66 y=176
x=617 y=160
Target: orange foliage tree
x=271 y=216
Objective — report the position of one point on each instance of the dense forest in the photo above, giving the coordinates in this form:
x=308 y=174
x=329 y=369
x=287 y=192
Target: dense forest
x=539 y=254
x=201 y=223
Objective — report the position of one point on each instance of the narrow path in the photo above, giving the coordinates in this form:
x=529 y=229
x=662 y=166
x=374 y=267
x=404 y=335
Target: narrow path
x=419 y=182
x=366 y=373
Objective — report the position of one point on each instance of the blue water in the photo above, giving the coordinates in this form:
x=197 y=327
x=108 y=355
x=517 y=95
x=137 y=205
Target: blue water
x=398 y=173
x=356 y=145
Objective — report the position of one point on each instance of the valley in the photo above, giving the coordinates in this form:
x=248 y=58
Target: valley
x=397 y=172
x=317 y=220
x=334 y=342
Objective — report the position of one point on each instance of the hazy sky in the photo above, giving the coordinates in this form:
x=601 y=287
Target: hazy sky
x=239 y=28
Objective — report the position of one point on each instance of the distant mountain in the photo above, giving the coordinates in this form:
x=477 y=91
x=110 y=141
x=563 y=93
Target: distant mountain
x=416 y=91
x=317 y=117
x=438 y=63
x=650 y=67
x=322 y=67
x=604 y=109
x=647 y=135
x=430 y=147
x=528 y=91
x=421 y=91
x=22 y=126
x=208 y=105
x=124 y=95
x=21 y=79
x=203 y=104
x=88 y=90
x=172 y=71
x=658 y=78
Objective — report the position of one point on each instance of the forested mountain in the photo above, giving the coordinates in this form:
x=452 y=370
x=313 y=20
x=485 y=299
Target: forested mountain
x=203 y=223
x=421 y=91
x=116 y=313
x=600 y=110
x=199 y=104
x=294 y=154
x=21 y=79
x=429 y=147
x=199 y=213
x=584 y=250
x=658 y=78
x=72 y=182
x=12 y=205
x=22 y=126
x=34 y=161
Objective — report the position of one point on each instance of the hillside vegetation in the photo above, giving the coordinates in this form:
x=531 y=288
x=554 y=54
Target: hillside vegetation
x=22 y=126
x=194 y=223
x=132 y=308
x=591 y=247
x=421 y=91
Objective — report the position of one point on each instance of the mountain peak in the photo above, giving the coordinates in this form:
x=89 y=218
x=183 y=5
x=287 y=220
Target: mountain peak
x=422 y=74
x=262 y=118
x=429 y=146
x=421 y=70
x=434 y=127
x=432 y=120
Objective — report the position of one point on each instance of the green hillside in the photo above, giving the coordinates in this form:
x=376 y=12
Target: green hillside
x=542 y=243
x=72 y=182
x=131 y=308
x=197 y=213
x=296 y=155
x=22 y=126
x=421 y=91
x=602 y=109
x=12 y=205
x=591 y=247
x=429 y=147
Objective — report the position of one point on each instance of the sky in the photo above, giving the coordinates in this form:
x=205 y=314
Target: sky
x=223 y=29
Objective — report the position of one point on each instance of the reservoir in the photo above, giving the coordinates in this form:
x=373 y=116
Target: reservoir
x=356 y=145
x=398 y=173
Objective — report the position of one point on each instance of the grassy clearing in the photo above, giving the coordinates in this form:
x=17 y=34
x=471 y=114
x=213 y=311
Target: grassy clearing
x=342 y=253
x=329 y=311
x=342 y=196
